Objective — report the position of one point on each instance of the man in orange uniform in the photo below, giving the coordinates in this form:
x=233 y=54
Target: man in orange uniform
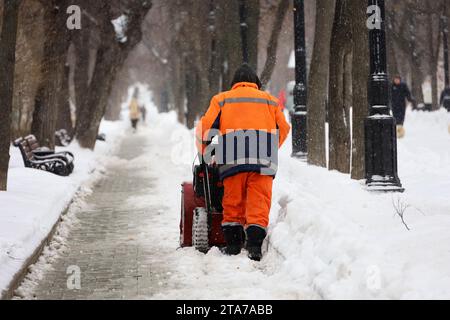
x=248 y=121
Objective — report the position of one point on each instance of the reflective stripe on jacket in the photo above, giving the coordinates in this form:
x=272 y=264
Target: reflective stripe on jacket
x=250 y=124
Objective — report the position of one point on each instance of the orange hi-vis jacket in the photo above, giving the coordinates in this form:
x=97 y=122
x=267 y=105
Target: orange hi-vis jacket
x=250 y=126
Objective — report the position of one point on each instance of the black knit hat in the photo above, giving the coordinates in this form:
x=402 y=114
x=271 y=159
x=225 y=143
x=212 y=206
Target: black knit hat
x=245 y=73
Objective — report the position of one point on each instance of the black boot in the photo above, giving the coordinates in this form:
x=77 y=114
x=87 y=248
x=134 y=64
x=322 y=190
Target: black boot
x=233 y=238
x=255 y=238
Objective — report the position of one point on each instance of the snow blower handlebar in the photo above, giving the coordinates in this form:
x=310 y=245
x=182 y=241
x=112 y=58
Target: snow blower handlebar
x=206 y=185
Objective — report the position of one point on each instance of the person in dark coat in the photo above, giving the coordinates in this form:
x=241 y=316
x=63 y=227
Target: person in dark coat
x=445 y=99
x=143 y=110
x=400 y=93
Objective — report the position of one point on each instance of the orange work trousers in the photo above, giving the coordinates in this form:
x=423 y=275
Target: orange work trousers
x=247 y=199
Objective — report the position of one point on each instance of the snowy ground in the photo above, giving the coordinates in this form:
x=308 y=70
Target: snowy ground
x=329 y=238
x=35 y=199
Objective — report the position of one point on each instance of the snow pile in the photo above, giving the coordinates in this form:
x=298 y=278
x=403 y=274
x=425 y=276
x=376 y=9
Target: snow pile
x=344 y=242
x=329 y=238
x=35 y=199
x=120 y=27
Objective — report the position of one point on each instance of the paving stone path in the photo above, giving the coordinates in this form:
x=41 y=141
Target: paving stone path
x=117 y=258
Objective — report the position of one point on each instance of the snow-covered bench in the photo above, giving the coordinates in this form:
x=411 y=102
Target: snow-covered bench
x=37 y=150
x=44 y=159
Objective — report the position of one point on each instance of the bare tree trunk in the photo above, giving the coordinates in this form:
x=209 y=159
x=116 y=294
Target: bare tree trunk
x=64 y=117
x=178 y=89
x=416 y=81
x=111 y=55
x=214 y=63
x=253 y=32
x=191 y=86
x=230 y=42
x=29 y=50
x=197 y=58
x=81 y=39
x=360 y=72
x=340 y=89
x=318 y=83
x=176 y=63
x=415 y=60
x=404 y=36
x=7 y=62
x=390 y=43
x=272 y=46
x=434 y=88
x=56 y=45
x=434 y=45
x=96 y=100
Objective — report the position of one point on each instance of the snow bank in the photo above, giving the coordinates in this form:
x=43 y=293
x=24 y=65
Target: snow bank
x=329 y=238
x=35 y=199
x=346 y=243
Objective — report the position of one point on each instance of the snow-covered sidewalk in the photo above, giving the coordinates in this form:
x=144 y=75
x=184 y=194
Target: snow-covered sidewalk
x=35 y=199
x=329 y=238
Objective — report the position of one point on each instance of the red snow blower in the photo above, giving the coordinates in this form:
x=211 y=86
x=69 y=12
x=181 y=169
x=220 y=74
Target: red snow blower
x=201 y=209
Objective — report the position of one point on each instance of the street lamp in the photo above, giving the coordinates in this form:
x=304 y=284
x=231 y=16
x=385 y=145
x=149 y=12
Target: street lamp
x=299 y=114
x=380 y=127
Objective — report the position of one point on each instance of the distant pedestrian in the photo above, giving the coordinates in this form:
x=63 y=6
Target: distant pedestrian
x=400 y=93
x=143 y=113
x=282 y=99
x=135 y=113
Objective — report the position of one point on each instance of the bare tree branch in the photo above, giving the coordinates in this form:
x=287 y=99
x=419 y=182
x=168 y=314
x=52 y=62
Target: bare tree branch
x=272 y=46
x=400 y=209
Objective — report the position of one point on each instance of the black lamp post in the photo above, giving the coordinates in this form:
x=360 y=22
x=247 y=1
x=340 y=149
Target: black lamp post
x=380 y=127
x=299 y=115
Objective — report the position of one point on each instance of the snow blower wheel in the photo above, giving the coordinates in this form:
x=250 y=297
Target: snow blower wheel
x=201 y=210
x=200 y=237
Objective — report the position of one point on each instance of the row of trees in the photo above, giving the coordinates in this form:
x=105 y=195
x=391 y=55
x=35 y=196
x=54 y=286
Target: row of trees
x=339 y=71
x=187 y=50
x=415 y=43
x=196 y=46
x=47 y=52
x=73 y=67
x=337 y=84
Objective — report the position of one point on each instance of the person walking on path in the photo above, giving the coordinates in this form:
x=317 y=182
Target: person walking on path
x=400 y=93
x=238 y=116
x=134 y=111
x=143 y=113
